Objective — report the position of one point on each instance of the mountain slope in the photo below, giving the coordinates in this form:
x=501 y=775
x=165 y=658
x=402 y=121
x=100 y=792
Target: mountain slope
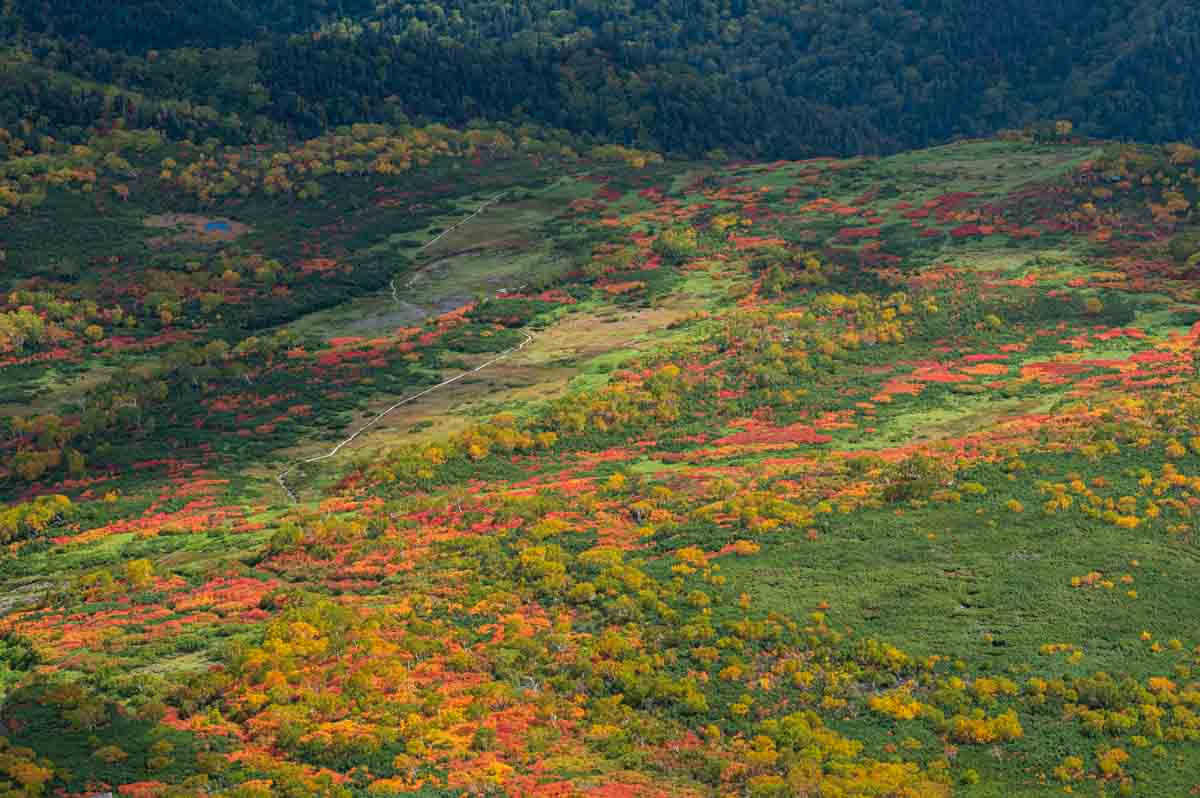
x=758 y=78
x=851 y=477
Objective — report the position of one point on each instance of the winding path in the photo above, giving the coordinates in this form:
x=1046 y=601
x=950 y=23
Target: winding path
x=333 y=452
x=281 y=476
x=439 y=236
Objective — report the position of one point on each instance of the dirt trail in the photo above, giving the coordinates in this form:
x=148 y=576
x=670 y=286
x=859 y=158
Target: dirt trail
x=575 y=338
x=282 y=475
x=333 y=452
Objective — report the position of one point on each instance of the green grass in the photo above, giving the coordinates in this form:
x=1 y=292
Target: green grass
x=938 y=578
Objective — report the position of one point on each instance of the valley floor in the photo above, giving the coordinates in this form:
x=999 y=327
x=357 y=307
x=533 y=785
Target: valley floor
x=873 y=477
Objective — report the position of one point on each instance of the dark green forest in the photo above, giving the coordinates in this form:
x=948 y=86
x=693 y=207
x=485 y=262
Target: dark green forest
x=759 y=78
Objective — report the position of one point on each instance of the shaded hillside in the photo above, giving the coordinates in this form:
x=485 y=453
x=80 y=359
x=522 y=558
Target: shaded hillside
x=757 y=78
